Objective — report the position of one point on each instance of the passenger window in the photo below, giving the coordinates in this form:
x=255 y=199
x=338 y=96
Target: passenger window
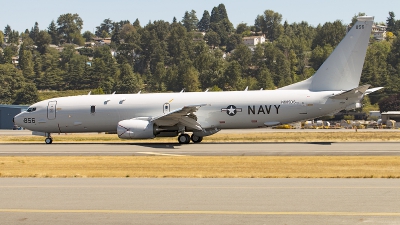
x=92 y=109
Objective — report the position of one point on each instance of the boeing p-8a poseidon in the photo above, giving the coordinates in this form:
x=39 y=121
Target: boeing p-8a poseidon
x=332 y=88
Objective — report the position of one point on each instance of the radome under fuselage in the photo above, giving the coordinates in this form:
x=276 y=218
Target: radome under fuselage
x=223 y=110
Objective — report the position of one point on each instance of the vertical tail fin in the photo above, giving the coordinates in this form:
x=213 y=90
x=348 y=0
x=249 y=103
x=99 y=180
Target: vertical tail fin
x=342 y=69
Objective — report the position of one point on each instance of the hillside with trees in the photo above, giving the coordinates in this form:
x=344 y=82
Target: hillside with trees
x=192 y=53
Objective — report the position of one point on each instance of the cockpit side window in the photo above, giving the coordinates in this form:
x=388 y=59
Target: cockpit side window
x=31 y=109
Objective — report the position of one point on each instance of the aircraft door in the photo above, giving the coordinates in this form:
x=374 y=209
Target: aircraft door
x=303 y=107
x=166 y=108
x=51 y=110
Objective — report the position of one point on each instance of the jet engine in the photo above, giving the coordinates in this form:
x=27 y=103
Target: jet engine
x=135 y=129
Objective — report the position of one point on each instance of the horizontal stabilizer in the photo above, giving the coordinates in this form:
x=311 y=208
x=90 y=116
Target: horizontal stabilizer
x=369 y=91
x=355 y=92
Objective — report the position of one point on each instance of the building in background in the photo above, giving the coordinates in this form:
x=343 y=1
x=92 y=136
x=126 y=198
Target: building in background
x=7 y=113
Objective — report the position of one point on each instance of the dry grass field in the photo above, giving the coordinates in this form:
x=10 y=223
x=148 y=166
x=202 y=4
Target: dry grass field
x=231 y=137
x=202 y=166
x=207 y=166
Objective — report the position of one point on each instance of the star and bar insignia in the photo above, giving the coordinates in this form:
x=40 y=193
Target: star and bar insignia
x=231 y=110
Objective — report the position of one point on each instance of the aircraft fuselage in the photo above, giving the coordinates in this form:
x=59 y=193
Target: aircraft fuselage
x=223 y=110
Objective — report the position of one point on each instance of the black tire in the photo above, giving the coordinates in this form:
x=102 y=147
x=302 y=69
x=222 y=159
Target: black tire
x=184 y=139
x=48 y=140
x=196 y=139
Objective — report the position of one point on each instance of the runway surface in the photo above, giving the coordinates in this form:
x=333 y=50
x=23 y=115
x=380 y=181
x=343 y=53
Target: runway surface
x=231 y=131
x=199 y=201
x=205 y=149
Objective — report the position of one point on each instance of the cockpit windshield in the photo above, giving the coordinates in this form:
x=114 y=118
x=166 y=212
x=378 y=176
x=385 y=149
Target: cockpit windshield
x=31 y=109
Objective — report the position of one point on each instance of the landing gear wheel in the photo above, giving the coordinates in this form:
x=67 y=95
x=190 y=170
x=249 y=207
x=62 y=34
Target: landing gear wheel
x=184 y=139
x=196 y=139
x=48 y=140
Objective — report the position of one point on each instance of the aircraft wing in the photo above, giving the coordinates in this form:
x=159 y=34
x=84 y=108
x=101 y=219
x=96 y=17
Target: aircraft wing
x=358 y=91
x=184 y=115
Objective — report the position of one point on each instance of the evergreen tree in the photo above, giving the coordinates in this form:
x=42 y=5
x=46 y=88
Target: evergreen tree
x=265 y=79
x=319 y=55
x=1 y=38
x=193 y=19
x=212 y=39
x=137 y=24
x=129 y=81
x=188 y=76
x=222 y=12
x=34 y=33
x=190 y=21
x=27 y=95
x=51 y=74
x=88 y=36
x=391 y=22
x=105 y=28
x=11 y=81
x=390 y=103
x=7 y=30
x=233 y=41
x=42 y=41
x=214 y=18
x=8 y=53
x=233 y=76
x=329 y=34
x=270 y=24
x=37 y=68
x=52 y=30
x=27 y=65
x=75 y=72
x=204 y=23
x=13 y=37
x=186 y=22
x=375 y=71
x=242 y=55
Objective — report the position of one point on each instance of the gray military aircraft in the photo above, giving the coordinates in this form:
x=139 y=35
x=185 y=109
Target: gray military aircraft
x=334 y=87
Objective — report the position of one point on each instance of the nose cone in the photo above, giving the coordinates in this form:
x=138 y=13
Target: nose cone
x=18 y=119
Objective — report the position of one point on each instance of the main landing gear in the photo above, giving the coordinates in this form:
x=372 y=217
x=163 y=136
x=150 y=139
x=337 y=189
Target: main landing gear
x=185 y=139
x=48 y=139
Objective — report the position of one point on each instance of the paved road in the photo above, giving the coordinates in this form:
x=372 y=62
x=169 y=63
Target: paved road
x=204 y=149
x=199 y=201
x=230 y=131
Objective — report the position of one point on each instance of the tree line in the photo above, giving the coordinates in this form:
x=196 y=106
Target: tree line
x=189 y=54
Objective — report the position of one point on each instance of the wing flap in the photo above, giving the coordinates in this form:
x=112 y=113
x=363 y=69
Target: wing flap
x=182 y=115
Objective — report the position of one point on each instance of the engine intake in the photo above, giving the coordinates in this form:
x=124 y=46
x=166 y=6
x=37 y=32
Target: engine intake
x=135 y=129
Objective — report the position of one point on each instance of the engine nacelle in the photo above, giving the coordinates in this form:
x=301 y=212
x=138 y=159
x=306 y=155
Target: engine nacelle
x=135 y=129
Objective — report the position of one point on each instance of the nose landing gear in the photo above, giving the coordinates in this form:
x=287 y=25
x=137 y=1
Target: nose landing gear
x=48 y=139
